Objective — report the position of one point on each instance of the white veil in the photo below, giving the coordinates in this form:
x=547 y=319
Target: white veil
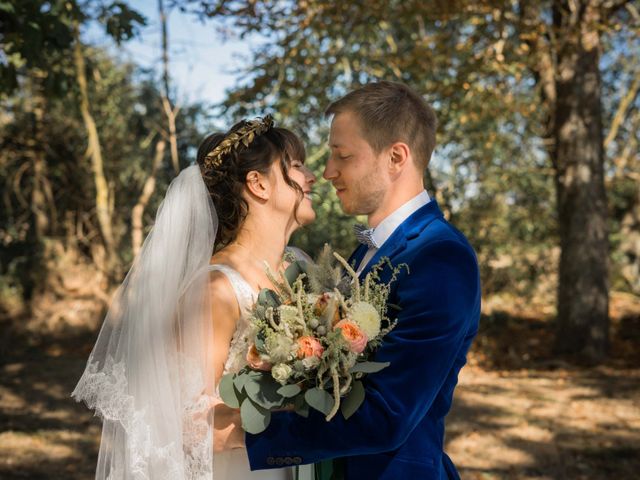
x=150 y=374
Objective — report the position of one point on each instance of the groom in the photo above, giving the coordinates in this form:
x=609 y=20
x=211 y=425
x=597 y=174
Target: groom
x=382 y=136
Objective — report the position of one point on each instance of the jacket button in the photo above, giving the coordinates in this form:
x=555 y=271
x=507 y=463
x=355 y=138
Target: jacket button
x=279 y=461
x=288 y=460
x=271 y=461
x=297 y=460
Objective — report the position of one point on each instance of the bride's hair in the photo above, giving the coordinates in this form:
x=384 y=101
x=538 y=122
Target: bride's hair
x=225 y=181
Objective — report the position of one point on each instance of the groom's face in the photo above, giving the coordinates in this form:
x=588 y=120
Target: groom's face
x=356 y=171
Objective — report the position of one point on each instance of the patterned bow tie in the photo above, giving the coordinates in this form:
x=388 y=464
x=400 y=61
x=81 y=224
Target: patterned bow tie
x=365 y=235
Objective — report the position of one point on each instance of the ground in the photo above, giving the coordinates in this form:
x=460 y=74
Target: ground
x=518 y=413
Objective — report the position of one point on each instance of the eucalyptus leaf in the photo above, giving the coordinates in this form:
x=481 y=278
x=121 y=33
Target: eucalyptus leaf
x=319 y=399
x=289 y=391
x=268 y=298
x=303 y=410
x=228 y=392
x=259 y=342
x=369 y=367
x=294 y=270
x=301 y=406
x=260 y=312
x=352 y=402
x=240 y=380
x=255 y=419
x=264 y=391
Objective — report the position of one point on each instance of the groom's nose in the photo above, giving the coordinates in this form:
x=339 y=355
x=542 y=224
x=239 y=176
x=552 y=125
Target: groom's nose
x=329 y=172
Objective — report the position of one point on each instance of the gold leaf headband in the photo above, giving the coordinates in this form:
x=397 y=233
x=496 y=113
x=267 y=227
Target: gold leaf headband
x=243 y=135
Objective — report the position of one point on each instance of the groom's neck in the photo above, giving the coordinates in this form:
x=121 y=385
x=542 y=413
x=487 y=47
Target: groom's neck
x=395 y=196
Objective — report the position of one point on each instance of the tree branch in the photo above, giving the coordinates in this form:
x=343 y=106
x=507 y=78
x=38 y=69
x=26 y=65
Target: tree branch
x=622 y=110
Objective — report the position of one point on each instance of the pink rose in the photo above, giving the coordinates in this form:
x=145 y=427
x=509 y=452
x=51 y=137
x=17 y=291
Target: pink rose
x=356 y=338
x=308 y=347
x=255 y=361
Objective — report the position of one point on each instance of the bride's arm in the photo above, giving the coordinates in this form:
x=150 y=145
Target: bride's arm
x=226 y=312
x=225 y=315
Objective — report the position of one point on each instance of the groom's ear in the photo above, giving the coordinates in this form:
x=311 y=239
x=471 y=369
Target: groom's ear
x=399 y=155
x=258 y=185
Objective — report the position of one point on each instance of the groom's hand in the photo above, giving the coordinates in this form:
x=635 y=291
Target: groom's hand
x=227 y=428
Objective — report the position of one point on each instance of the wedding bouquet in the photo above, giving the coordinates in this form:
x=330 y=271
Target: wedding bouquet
x=311 y=339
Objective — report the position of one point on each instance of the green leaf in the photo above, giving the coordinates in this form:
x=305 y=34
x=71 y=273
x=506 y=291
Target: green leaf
x=352 y=402
x=289 y=391
x=259 y=341
x=268 y=298
x=369 y=367
x=7 y=7
x=301 y=406
x=255 y=419
x=319 y=399
x=294 y=270
x=240 y=380
x=228 y=392
x=264 y=391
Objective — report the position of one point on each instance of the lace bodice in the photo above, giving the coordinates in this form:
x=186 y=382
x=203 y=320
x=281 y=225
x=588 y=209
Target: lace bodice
x=246 y=297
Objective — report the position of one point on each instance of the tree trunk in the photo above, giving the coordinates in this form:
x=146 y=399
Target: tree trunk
x=170 y=111
x=578 y=156
x=143 y=200
x=102 y=189
x=37 y=106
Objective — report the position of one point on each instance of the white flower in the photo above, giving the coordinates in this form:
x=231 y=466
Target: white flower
x=367 y=318
x=311 y=362
x=280 y=348
x=288 y=314
x=281 y=373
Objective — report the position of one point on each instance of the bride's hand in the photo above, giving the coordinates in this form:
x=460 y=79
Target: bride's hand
x=227 y=427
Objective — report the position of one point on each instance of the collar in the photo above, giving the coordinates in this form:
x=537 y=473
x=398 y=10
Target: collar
x=386 y=227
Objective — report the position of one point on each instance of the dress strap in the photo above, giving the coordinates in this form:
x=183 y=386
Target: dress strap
x=245 y=294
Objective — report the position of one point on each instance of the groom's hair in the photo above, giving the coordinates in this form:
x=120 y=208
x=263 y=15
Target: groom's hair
x=390 y=112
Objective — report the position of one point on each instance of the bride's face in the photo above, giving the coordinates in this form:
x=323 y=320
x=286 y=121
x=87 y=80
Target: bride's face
x=288 y=198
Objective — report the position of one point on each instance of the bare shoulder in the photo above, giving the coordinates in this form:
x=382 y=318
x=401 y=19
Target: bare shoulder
x=223 y=297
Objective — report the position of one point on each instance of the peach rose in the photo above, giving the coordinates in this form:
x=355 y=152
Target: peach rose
x=356 y=338
x=255 y=361
x=308 y=347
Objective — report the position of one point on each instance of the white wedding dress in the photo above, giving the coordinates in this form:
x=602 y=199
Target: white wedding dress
x=234 y=464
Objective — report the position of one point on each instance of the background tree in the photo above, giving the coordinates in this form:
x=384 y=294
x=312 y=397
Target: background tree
x=517 y=86
x=54 y=266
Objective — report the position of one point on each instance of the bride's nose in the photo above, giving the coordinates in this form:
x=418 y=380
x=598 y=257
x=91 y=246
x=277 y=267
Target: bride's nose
x=309 y=176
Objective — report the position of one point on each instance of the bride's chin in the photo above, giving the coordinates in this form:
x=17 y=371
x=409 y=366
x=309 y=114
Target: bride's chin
x=306 y=217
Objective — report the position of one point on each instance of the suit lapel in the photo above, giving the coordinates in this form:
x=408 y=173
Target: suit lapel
x=357 y=256
x=406 y=231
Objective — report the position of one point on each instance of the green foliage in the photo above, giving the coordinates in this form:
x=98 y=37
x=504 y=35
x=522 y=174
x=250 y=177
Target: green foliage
x=352 y=402
x=36 y=33
x=254 y=418
x=37 y=125
x=319 y=399
x=478 y=64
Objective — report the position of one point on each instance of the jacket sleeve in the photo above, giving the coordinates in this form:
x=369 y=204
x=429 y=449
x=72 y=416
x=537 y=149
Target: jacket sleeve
x=438 y=299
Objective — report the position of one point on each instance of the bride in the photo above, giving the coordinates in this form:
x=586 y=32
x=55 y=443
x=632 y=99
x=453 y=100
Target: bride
x=179 y=321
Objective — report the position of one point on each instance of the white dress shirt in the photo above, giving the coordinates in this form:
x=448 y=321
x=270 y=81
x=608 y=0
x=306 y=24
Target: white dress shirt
x=386 y=227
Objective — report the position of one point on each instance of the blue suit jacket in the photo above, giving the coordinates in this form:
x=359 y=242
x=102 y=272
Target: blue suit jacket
x=398 y=432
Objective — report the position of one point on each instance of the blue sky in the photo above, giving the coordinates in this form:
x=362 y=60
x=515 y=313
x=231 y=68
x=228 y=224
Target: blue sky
x=201 y=63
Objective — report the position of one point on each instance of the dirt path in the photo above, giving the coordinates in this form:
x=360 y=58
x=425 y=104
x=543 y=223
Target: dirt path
x=560 y=424
x=573 y=424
